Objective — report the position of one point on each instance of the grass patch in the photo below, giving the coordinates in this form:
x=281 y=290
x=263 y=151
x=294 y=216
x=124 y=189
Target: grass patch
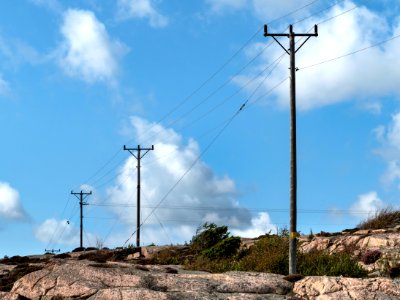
x=319 y=263
x=383 y=218
x=269 y=254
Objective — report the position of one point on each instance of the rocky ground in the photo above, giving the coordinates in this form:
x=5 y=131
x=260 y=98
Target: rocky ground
x=116 y=274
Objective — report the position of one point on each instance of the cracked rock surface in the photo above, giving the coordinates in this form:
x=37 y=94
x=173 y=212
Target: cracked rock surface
x=85 y=280
x=341 y=288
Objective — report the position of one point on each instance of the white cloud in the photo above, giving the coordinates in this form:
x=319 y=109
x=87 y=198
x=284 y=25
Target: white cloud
x=265 y=10
x=392 y=173
x=367 y=203
x=10 y=203
x=374 y=107
x=369 y=74
x=219 y=6
x=259 y=225
x=201 y=196
x=389 y=137
x=4 y=86
x=87 y=51
x=53 y=5
x=57 y=231
x=393 y=134
x=141 y=9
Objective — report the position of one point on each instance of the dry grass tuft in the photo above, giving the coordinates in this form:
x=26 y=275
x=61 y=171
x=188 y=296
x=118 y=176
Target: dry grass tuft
x=383 y=218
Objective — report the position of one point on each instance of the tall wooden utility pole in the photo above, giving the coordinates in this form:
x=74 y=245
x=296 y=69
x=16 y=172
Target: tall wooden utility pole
x=293 y=144
x=138 y=157
x=82 y=196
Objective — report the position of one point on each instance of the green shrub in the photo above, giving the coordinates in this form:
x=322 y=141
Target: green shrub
x=223 y=249
x=207 y=236
x=383 y=218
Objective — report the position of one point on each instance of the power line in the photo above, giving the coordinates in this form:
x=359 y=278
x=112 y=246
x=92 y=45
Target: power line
x=274 y=64
x=321 y=11
x=351 y=53
x=181 y=103
x=189 y=169
x=222 y=208
x=211 y=77
x=196 y=160
x=62 y=214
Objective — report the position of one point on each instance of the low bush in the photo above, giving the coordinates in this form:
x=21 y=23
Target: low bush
x=171 y=256
x=223 y=249
x=320 y=263
x=269 y=254
x=371 y=256
x=383 y=218
x=98 y=256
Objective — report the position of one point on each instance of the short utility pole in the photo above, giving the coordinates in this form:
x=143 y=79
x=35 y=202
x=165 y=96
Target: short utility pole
x=82 y=196
x=293 y=145
x=138 y=157
x=52 y=251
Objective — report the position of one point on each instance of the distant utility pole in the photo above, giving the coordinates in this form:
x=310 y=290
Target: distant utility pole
x=82 y=196
x=52 y=251
x=293 y=145
x=138 y=157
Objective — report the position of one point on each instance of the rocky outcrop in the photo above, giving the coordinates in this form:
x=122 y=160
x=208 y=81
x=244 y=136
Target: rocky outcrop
x=340 y=288
x=387 y=241
x=82 y=279
x=86 y=280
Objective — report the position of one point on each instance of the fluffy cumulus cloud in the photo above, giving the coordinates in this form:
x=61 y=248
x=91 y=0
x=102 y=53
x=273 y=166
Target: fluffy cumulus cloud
x=57 y=232
x=199 y=196
x=368 y=203
x=141 y=9
x=87 y=51
x=364 y=76
x=259 y=225
x=10 y=203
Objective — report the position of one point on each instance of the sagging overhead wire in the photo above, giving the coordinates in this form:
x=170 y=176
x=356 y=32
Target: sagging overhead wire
x=206 y=81
x=321 y=11
x=272 y=66
x=350 y=53
x=220 y=132
x=202 y=85
x=230 y=59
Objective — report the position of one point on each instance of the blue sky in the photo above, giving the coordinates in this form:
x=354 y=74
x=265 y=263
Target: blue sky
x=80 y=79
